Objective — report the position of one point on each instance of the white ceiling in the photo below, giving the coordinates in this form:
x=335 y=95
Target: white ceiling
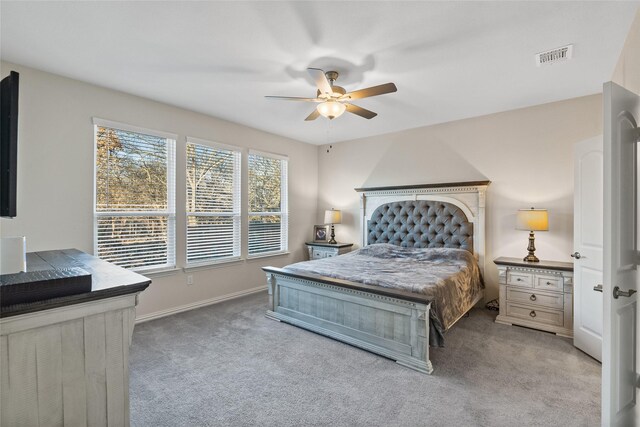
x=449 y=60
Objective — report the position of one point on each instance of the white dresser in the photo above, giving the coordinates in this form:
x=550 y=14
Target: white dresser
x=65 y=360
x=536 y=295
x=319 y=250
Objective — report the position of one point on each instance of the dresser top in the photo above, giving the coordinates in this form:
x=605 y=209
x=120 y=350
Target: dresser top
x=548 y=265
x=108 y=280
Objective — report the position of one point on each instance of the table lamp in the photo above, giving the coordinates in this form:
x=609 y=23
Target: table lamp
x=532 y=220
x=332 y=217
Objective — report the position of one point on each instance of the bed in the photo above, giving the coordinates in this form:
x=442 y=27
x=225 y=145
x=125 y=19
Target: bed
x=418 y=271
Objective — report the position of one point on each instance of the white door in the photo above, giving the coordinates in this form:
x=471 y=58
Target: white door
x=587 y=244
x=620 y=274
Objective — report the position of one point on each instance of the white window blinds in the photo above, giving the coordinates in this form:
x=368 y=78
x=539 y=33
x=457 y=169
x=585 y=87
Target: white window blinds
x=134 y=213
x=268 y=206
x=213 y=202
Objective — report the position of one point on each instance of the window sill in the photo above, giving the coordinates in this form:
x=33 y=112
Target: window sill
x=212 y=264
x=159 y=273
x=269 y=255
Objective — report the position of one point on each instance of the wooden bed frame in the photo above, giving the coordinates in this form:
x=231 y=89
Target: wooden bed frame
x=388 y=322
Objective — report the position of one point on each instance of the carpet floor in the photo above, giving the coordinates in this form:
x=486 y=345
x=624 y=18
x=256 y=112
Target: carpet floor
x=228 y=365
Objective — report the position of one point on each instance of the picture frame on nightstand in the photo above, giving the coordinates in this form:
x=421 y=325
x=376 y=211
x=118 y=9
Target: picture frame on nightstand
x=320 y=233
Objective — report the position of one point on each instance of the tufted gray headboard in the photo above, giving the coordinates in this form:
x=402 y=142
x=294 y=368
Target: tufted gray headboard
x=421 y=224
x=460 y=223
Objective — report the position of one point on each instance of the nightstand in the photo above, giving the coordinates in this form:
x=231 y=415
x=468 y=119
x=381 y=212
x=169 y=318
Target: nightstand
x=536 y=295
x=319 y=250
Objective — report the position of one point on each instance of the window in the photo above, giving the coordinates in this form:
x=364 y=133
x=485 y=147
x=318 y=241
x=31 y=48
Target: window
x=213 y=202
x=134 y=213
x=268 y=207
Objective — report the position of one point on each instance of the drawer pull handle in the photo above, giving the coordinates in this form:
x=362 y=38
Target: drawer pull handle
x=533 y=297
x=533 y=313
x=519 y=279
x=549 y=283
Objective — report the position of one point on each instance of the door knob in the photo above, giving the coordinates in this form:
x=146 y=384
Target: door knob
x=597 y=288
x=618 y=293
x=576 y=255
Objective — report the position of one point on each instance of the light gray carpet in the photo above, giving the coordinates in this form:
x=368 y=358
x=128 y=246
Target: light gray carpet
x=227 y=364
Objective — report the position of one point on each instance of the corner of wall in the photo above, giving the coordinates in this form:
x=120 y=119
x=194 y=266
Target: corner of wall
x=627 y=71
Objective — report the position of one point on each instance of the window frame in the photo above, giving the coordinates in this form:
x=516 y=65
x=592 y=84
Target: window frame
x=237 y=215
x=170 y=213
x=284 y=204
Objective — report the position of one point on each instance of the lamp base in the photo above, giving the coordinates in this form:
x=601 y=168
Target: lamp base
x=531 y=257
x=333 y=236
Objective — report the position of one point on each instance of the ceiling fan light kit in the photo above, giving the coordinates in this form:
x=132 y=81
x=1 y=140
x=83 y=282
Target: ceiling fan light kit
x=333 y=100
x=331 y=109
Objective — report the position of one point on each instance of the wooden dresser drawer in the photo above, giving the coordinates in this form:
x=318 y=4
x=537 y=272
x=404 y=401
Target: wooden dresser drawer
x=549 y=283
x=536 y=314
x=518 y=278
x=534 y=298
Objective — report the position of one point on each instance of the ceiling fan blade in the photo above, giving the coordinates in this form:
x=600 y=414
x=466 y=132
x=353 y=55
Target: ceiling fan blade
x=371 y=91
x=321 y=80
x=314 y=115
x=294 y=98
x=359 y=111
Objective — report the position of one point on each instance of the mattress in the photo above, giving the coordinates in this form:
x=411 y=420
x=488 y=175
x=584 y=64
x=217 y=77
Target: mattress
x=449 y=278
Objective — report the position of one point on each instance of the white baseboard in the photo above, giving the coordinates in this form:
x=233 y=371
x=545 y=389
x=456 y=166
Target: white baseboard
x=204 y=303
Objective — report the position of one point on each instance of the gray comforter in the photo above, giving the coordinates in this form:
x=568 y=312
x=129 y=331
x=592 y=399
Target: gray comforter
x=450 y=278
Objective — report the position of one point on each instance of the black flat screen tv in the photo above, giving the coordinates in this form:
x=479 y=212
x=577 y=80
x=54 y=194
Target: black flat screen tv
x=8 y=144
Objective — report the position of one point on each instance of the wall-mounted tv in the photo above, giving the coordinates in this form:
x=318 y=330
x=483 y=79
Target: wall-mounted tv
x=8 y=144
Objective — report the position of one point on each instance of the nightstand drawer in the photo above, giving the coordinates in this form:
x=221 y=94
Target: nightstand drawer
x=536 y=314
x=536 y=294
x=549 y=283
x=324 y=253
x=318 y=250
x=533 y=298
x=517 y=278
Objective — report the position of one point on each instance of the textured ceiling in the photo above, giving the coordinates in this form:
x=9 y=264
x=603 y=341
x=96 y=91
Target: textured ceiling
x=449 y=60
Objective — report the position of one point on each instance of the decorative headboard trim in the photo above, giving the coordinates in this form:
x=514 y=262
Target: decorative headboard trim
x=468 y=196
x=424 y=186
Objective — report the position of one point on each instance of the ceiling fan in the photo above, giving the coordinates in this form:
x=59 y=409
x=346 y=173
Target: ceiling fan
x=333 y=100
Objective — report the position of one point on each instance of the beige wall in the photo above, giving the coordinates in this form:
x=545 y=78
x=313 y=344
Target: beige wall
x=55 y=178
x=627 y=72
x=526 y=154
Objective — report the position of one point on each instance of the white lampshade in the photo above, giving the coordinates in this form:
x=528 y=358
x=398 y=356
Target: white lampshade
x=532 y=220
x=331 y=109
x=332 y=217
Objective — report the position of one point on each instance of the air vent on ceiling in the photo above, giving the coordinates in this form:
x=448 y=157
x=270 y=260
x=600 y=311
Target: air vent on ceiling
x=554 y=55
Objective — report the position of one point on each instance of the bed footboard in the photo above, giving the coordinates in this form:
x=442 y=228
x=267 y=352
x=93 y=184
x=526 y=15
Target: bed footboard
x=391 y=327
